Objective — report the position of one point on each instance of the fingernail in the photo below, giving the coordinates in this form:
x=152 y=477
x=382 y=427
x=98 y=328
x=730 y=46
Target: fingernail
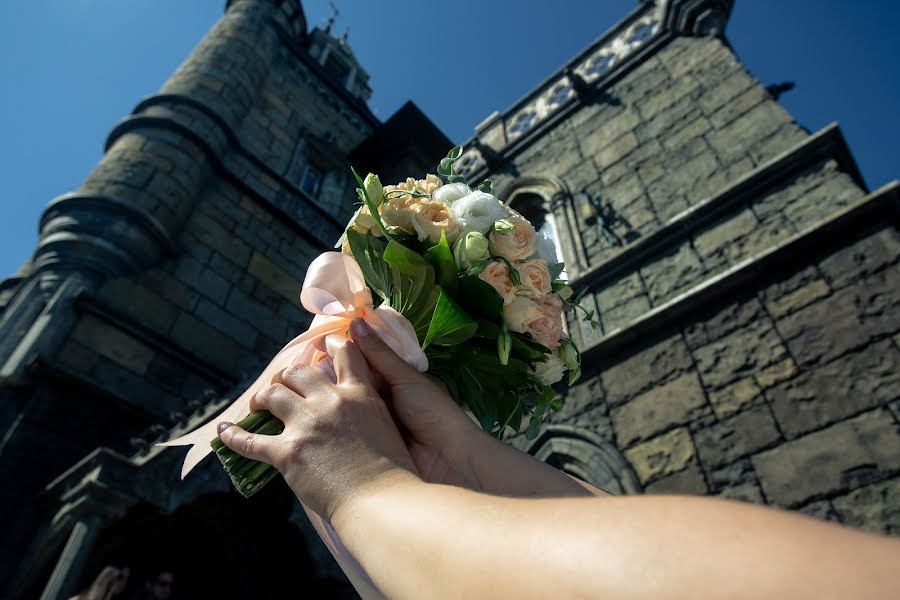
x=360 y=327
x=223 y=426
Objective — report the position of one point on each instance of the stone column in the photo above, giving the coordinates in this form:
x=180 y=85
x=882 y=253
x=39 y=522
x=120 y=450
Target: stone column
x=71 y=562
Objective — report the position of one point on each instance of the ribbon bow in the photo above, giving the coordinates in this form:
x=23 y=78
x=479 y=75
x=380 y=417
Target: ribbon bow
x=335 y=291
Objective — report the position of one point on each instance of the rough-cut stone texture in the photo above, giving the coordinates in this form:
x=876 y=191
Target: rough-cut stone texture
x=875 y=507
x=737 y=436
x=669 y=404
x=663 y=455
x=846 y=455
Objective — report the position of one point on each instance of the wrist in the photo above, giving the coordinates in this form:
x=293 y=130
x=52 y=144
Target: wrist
x=349 y=512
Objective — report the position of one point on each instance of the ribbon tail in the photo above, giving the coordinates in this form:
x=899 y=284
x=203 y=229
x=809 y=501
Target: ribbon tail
x=199 y=439
x=354 y=571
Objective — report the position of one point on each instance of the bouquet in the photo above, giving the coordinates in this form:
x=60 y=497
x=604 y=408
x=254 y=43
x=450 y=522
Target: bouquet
x=455 y=281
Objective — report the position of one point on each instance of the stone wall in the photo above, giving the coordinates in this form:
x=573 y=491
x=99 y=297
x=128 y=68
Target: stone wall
x=782 y=390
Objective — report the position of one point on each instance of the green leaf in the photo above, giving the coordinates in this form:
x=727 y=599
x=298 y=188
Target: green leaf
x=480 y=297
x=556 y=269
x=368 y=251
x=485 y=186
x=450 y=324
x=504 y=226
x=478 y=266
x=454 y=153
x=534 y=425
x=441 y=258
x=456 y=179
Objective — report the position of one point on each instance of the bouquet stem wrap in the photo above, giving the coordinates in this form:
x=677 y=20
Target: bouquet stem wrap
x=335 y=291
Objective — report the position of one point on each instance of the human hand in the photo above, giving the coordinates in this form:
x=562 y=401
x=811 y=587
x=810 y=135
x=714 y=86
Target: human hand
x=439 y=436
x=338 y=439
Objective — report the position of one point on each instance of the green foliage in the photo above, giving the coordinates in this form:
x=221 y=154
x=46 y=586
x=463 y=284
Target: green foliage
x=450 y=324
x=368 y=251
x=441 y=258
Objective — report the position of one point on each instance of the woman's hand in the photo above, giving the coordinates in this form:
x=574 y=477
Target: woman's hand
x=439 y=436
x=338 y=439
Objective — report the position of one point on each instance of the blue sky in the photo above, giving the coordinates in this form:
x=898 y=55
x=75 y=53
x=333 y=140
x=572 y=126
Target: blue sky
x=69 y=69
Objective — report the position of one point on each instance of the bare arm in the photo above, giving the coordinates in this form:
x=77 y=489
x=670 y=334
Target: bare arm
x=426 y=540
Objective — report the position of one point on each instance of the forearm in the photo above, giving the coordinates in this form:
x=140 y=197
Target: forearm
x=434 y=541
x=500 y=469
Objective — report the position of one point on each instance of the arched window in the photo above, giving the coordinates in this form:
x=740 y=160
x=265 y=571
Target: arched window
x=587 y=457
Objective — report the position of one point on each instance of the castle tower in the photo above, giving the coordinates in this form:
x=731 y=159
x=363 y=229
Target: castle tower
x=746 y=281
x=169 y=276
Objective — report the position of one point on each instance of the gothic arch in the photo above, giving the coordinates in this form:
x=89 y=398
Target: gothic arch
x=587 y=457
x=557 y=202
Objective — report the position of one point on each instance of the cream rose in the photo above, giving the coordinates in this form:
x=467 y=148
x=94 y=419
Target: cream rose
x=497 y=274
x=518 y=244
x=549 y=371
x=397 y=211
x=520 y=313
x=535 y=278
x=430 y=218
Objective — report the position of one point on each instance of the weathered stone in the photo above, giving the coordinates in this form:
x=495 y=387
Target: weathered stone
x=743 y=492
x=773 y=295
x=661 y=456
x=734 y=316
x=831 y=195
x=735 y=397
x=238 y=330
x=711 y=244
x=204 y=340
x=113 y=343
x=619 y=292
x=687 y=481
x=77 y=357
x=146 y=306
x=798 y=298
x=737 y=436
x=776 y=373
x=848 y=454
x=672 y=273
x=672 y=403
x=611 y=152
x=274 y=277
x=820 y=509
x=202 y=279
x=837 y=390
x=875 y=508
x=623 y=314
x=739 y=354
x=844 y=321
x=645 y=369
x=862 y=258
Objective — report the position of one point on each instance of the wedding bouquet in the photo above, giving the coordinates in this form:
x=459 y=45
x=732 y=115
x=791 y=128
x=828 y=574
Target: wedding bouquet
x=456 y=282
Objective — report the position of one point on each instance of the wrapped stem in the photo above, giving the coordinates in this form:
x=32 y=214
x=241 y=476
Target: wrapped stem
x=249 y=476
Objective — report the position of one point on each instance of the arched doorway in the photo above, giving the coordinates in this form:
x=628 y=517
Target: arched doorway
x=587 y=457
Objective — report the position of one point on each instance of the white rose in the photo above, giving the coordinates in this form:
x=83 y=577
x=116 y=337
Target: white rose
x=545 y=249
x=520 y=313
x=549 y=371
x=470 y=248
x=450 y=193
x=478 y=212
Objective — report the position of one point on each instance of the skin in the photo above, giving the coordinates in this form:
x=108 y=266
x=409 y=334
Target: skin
x=433 y=508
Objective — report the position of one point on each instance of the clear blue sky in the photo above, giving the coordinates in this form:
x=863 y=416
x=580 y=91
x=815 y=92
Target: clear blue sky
x=69 y=69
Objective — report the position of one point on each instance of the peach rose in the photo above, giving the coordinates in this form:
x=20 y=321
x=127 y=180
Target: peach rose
x=521 y=313
x=547 y=329
x=363 y=222
x=535 y=278
x=497 y=274
x=429 y=218
x=518 y=244
x=396 y=211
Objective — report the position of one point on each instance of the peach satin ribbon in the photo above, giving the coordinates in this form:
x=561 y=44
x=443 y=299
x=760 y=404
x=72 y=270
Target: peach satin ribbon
x=335 y=291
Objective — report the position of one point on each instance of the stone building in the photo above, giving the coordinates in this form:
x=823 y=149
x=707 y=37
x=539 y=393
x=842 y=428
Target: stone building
x=745 y=279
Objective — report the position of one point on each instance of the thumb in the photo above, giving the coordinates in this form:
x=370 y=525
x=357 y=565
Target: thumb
x=249 y=445
x=380 y=356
